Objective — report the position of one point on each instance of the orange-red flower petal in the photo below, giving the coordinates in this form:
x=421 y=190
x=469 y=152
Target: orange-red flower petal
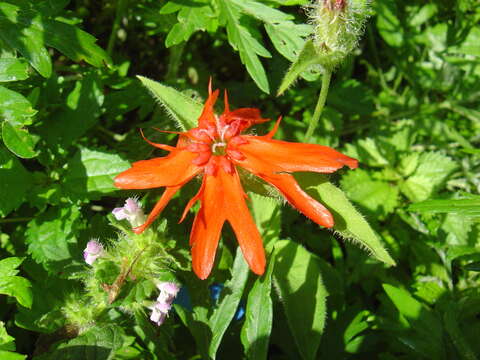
x=172 y=170
x=291 y=157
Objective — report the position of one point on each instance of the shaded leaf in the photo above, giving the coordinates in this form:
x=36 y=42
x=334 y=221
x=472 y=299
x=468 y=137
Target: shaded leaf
x=18 y=140
x=301 y=291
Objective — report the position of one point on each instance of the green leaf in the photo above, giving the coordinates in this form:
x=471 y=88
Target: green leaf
x=308 y=56
x=18 y=140
x=52 y=237
x=223 y=314
x=432 y=171
x=183 y=109
x=90 y=173
x=388 y=24
x=18 y=29
x=349 y=223
x=80 y=113
x=13 y=285
x=190 y=19
x=300 y=288
x=452 y=320
x=15 y=182
x=7 y=355
x=76 y=44
x=15 y=108
x=256 y=330
x=288 y=37
x=377 y=196
x=98 y=343
x=13 y=69
x=466 y=207
x=242 y=38
x=424 y=322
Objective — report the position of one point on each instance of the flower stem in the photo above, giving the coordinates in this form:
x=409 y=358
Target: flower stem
x=327 y=75
x=120 y=10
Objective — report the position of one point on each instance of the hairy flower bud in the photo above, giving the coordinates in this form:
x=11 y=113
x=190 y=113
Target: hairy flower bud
x=338 y=26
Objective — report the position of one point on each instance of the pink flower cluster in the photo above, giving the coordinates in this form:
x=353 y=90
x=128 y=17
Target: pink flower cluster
x=93 y=250
x=161 y=307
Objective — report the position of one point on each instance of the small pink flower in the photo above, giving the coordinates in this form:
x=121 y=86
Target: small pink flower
x=132 y=211
x=92 y=251
x=169 y=288
x=159 y=312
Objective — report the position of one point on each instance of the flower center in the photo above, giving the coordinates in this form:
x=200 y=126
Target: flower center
x=219 y=148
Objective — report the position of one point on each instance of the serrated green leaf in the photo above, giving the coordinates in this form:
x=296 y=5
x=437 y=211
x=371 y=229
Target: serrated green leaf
x=18 y=31
x=349 y=223
x=184 y=110
x=299 y=283
x=242 y=38
x=52 y=237
x=15 y=108
x=90 y=173
x=307 y=57
x=13 y=285
x=223 y=314
x=288 y=37
x=98 y=343
x=432 y=171
x=13 y=69
x=377 y=196
x=257 y=327
x=15 y=182
x=18 y=140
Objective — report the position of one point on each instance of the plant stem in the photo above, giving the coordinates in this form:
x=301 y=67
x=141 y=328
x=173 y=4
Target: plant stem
x=174 y=62
x=121 y=6
x=327 y=75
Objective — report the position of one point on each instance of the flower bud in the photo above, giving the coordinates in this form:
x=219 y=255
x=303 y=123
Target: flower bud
x=338 y=26
x=132 y=211
x=92 y=251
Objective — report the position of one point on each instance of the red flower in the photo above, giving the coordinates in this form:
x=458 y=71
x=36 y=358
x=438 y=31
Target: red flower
x=215 y=149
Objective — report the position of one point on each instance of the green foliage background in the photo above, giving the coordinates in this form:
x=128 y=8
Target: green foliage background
x=405 y=104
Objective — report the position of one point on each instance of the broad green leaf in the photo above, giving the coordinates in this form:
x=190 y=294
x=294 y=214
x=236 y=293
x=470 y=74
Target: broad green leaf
x=223 y=314
x=466 y=207
x=432 y=171
x=15 y=108
x=15 y=182
x=242 y=38
x=91 y=172
x=6 y=341
x=13 y=285
x=288 y=37
x=98 y=343
x=424 y=322
x=307 y=57
x=77 y=44
x=349 y=223
x=13 y=69
x=471 y=44
x=82 y=110
x=17 y=29
x=423 y=14
x=52 y=237
x=267 y=215
x=256 y=330
x=183 y=109
x=299 y=283
x=18 y=140
x=377 y=196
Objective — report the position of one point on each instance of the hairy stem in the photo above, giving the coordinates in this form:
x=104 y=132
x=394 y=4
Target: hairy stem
x=327 y=75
